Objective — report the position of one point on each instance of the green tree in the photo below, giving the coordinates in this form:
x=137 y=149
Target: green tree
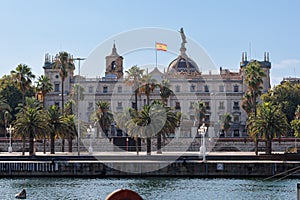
x=170 y=122
x=64 y=63
x=165 y=91
x=57 y=125
x=148 y=84
x=5 y=115
x=287 y=96
x=295 y=124
x=200 y=111
x=71 y=131
x=105 y=117
x=254 y=79
x=133 y=78
x=225 y=122
x=270 y=122
x=23 y=76
x=31 y=122
x=44 y=86
x=11 y=93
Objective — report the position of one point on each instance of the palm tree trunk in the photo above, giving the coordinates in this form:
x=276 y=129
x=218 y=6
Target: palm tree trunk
x=52 y=143
x=136 y=99
x=158 y=151
x=148 y=140
x=23 y=148
x=62 y=97
x=70 y=145
x=137 y=145
x=31 y=145
x=45 y=140
x=62 y=144
x=256 y=146
x=268 y=147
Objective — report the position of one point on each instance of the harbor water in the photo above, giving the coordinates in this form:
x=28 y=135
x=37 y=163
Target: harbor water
x=150 y=188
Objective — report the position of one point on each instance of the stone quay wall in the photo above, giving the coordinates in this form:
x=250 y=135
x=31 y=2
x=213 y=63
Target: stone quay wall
x=185 y=167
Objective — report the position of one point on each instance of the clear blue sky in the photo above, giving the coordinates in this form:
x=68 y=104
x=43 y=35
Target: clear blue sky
x=31 y=28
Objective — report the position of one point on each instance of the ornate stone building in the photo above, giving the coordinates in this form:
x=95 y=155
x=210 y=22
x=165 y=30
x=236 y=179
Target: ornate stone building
x=222 y=92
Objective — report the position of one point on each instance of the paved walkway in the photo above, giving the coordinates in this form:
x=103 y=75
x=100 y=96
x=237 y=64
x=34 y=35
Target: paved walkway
x=124 y=153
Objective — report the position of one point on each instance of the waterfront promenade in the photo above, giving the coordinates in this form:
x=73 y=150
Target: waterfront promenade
x=122 y=164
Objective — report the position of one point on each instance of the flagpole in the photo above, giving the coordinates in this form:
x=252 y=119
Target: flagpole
x=155 y=56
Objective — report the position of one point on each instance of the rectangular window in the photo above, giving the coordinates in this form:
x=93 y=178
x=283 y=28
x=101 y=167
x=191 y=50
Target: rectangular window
x=192 y=117
x=207 y=105
x=91 y=89
x=119 y=104
x=236 y=88
x=133 y=105
x=177 y=105
x=206 y=89
x=206 y=119
x=192 y=89
x=119 y=89
x=236 y=105
x=221 y=88
x=177 y=88
x=236 y=119
x=105 y=89
x=221 y=105
x=90 y=106
x=236 y=133
x=56 y=87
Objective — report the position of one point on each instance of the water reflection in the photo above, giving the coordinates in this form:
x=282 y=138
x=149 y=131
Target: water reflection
x=149 y=188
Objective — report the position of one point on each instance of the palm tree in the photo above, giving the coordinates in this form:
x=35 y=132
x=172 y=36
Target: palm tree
x=57 y=125
x=270 y=122
x=23 y=78
x=253 y=80
x=247 y=103
x=64 y=63
x=171 y=121
x=5 y=115
x=31 y=122
x=44 y=86
x=105 y=118
x=200 y=111
x=225 y=122
x=148 y=86
x=133 y=78
x=165 y=91
x=71 y=131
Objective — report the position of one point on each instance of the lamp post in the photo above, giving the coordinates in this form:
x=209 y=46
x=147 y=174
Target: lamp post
x=10 y=129
x=202 y=130
x=91 y=131
x=78 y=90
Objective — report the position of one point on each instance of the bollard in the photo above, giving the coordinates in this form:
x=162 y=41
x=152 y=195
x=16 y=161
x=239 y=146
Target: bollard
x=298 y=191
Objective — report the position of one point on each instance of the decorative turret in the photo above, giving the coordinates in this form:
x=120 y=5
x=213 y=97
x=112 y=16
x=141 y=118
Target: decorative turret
x=114 y=64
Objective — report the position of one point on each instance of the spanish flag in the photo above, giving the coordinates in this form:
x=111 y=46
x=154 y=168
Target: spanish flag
x=160 y=46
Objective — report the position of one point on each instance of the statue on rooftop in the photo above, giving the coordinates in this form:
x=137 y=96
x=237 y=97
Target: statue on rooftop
x=183 y=38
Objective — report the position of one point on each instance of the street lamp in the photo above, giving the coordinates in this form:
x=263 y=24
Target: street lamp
x=78 y=90
x=10 y=129
x=91 y=131
x=202 y=130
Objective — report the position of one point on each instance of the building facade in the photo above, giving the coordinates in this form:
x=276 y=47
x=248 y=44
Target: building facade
x=222 y=92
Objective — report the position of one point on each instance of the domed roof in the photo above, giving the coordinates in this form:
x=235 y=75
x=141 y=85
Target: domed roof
x=183 y=64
